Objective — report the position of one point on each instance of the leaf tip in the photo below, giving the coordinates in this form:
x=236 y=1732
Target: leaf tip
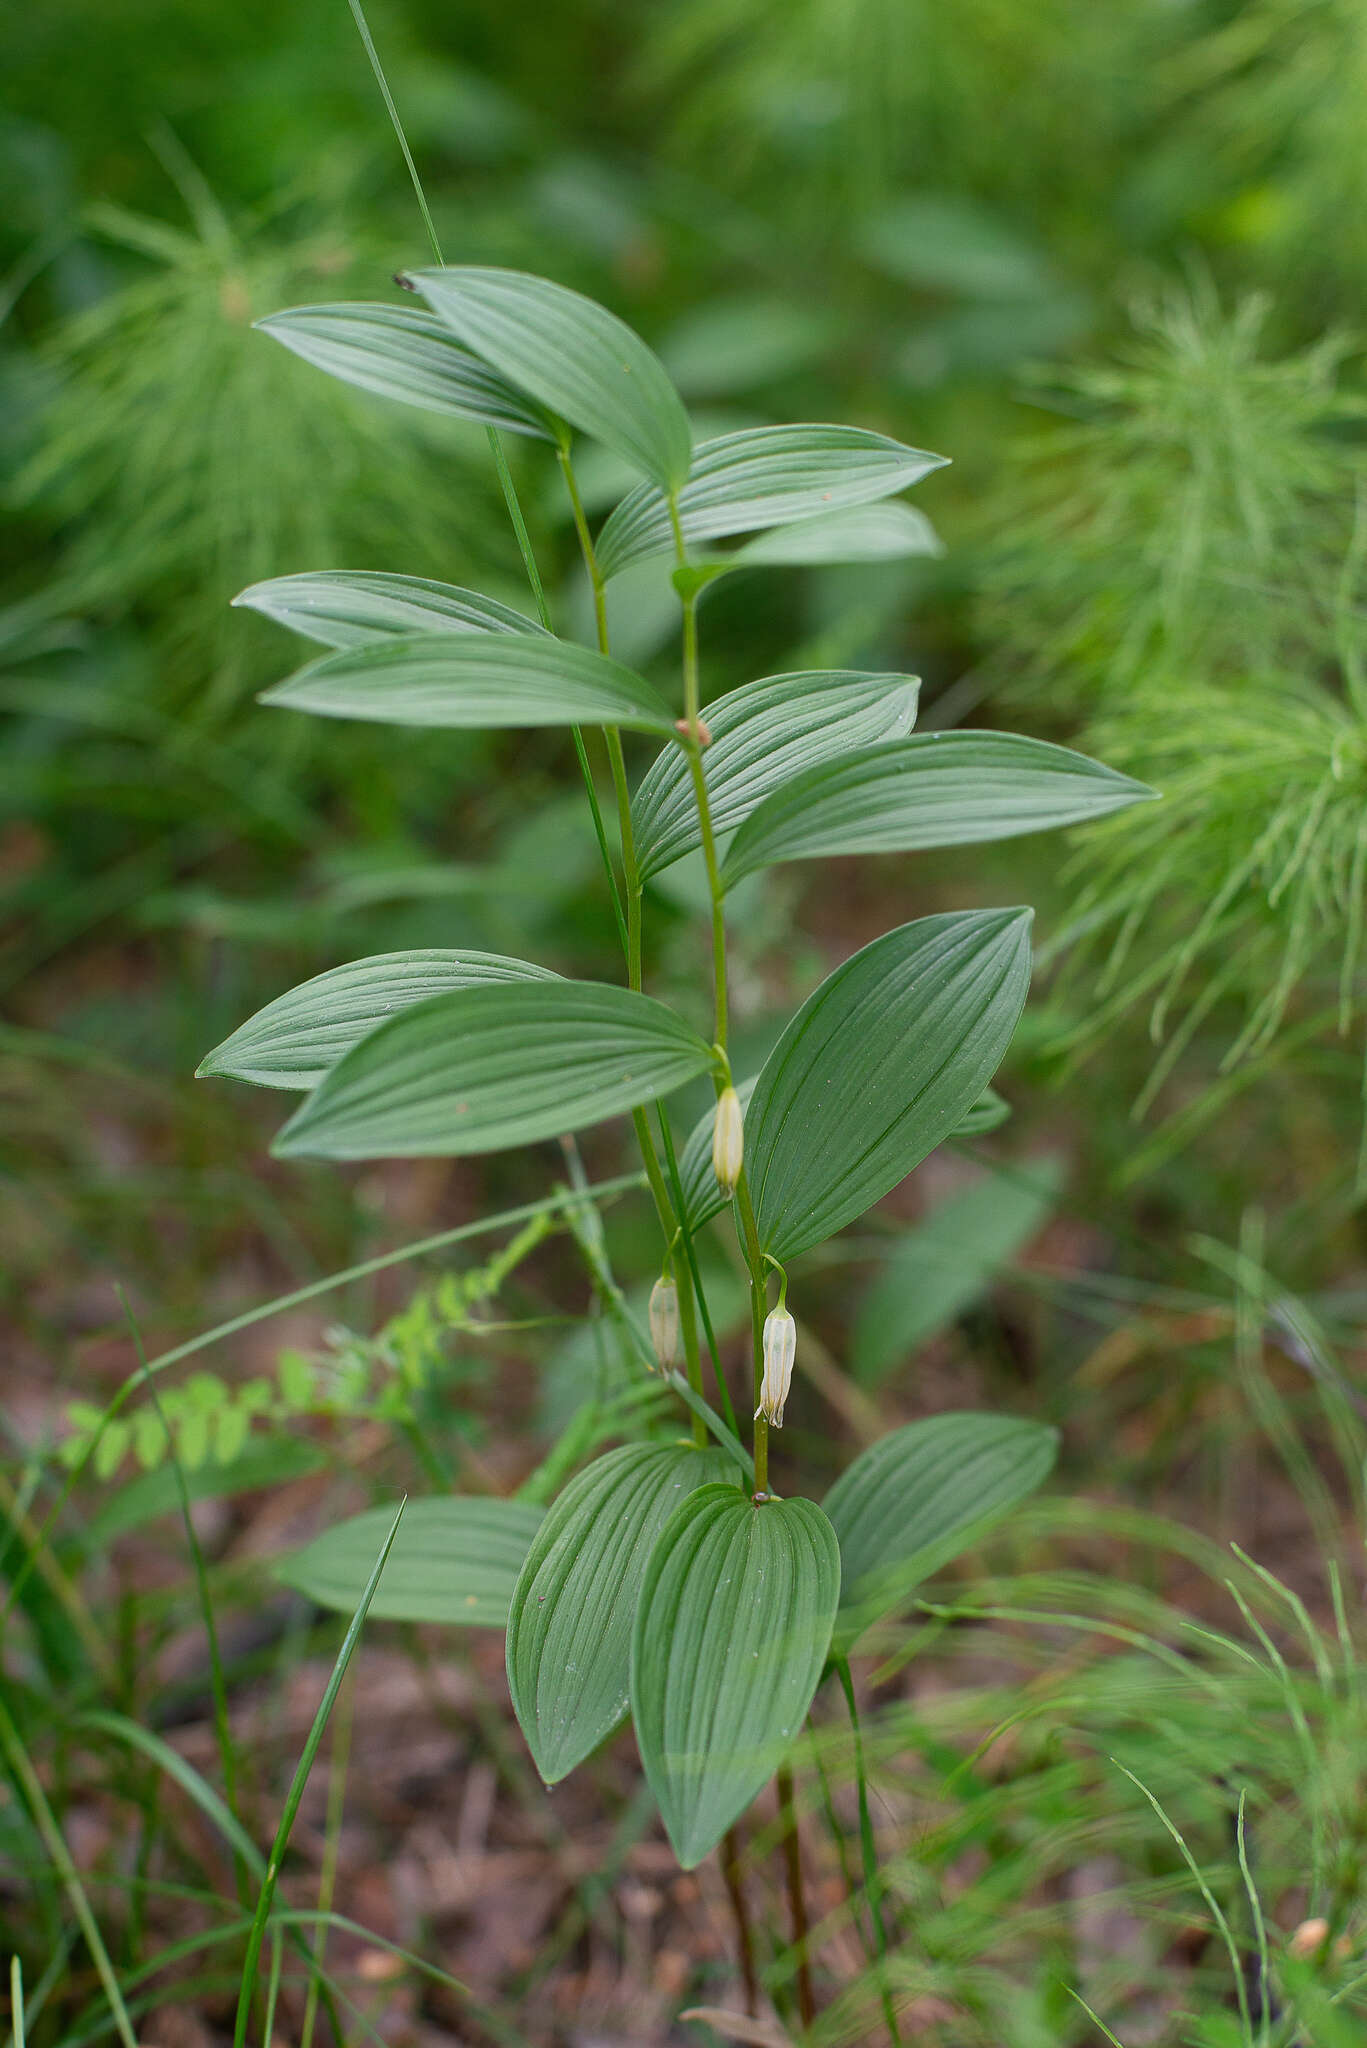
x=290 y=1141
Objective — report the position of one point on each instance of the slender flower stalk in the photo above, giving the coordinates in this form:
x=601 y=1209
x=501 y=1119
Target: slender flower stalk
x=631 y=940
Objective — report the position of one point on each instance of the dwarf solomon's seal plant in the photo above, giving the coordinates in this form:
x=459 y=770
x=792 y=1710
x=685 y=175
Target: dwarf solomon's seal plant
x=668 y=1579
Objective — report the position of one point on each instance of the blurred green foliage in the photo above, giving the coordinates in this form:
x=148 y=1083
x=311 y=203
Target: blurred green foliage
x=1100 y=256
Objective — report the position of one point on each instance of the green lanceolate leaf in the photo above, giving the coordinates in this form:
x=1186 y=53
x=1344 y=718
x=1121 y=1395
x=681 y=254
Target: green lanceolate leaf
x=484 y=1068
x=569 y=1629
x=350 y=608
x=404 y=354
x=731 y=1634
x=765 y=476
x=932 y=789
x=572 y=355
x=702 y=1197
x=878 y=1067
x=863 y=533
x=947 y=1261
x=920 y=1496
x=474 y=679
x=294 y=1041
x=452 y=1560
x=762 y=736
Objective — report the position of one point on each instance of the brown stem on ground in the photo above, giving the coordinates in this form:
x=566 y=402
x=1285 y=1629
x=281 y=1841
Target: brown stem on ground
x=797 y=1897
x=740 y=1912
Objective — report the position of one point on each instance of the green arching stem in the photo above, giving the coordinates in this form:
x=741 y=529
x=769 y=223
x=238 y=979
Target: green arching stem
x=505 y=479
x=692 y=739
x=524 y=544
x=631 y=942
x=747 y=1230
x=690 y=1255
x=611 y=735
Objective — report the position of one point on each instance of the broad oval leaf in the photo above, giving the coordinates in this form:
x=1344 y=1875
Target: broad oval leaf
x=474 y=679
x=703 y=1199
x=571 y=355
x=920 y=1496
x=569 y=1628
x=878 y=1066
x=762 y=735
x=731 y=1634
x=295 y=1040
x=863 y=533
x=763 y=476
x=453 y=1560
x=932 y=789
x=485 y=1068
x=352 y=607
x=401 y=353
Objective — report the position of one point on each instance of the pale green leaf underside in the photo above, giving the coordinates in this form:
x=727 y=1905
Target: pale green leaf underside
x=730 y=1639
x=569 y=1629
x=863 y=533
x=930 y=789
x=352 y=607
x=571 y=355
x=474 y=679
x=398 y=352
x=878 y=1067
x=294 y=1041
x=763 y=476
x=762 y=735
x=453 y=1560
x=485 y=1068
x=920 y=1496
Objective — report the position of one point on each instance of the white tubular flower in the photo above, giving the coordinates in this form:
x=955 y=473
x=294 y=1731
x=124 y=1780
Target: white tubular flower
x=780 y=1349
x=664 y=1323
x=728 y=1140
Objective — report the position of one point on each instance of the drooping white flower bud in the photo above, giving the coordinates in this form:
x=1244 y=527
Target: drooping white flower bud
x=780 y=1349
x=664 y=1323
x=728 y=1140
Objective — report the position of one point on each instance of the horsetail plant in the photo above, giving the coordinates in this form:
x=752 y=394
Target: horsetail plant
x=668 y=1579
